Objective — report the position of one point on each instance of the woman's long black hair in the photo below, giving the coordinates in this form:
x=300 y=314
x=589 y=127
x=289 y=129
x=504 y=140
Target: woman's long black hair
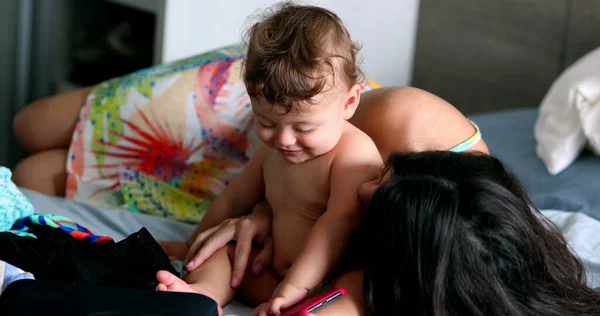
x=456 y=234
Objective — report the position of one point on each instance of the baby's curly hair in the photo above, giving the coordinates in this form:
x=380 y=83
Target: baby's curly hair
x=293 y=50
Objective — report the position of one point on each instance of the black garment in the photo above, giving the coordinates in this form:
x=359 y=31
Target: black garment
x=34 y=297
x=57 y=256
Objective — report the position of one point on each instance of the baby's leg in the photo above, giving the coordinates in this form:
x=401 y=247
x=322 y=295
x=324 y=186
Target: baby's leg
x=212 y=278
x=255 y=290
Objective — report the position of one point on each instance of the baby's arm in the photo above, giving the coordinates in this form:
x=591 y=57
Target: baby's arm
x=357 y=162
x=239 y=197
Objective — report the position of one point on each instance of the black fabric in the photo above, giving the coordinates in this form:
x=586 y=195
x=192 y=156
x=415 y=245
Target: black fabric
x=57 y=256
x=34 y=297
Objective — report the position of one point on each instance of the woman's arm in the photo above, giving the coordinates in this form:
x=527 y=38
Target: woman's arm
x=353 y=303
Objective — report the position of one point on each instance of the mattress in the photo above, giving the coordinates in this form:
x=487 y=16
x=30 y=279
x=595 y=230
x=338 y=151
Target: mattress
x=509 y=135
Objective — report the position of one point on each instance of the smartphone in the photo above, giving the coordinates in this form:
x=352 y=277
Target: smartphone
x=315 y=302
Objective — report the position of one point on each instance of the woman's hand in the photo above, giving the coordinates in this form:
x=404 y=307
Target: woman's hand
x=244 y=230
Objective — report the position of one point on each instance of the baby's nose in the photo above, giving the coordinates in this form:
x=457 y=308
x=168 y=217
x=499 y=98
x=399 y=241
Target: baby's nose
x=286 y=139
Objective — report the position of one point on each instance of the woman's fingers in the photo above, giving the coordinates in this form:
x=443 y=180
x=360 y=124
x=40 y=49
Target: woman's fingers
x=218 y=240
x=264 y=257
x=196 y=245
x=246 y=232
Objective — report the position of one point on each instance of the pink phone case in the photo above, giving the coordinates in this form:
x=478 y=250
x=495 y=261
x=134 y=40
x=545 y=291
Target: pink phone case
x=315 y=302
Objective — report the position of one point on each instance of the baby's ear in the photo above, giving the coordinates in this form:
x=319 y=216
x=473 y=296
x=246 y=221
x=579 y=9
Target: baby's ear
x=352 y=99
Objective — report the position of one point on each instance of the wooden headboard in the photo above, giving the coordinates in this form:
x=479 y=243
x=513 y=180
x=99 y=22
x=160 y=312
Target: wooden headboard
x=484 y=55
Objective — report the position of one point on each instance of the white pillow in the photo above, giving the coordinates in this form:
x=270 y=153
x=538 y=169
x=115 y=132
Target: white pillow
x=559 y=130
x=588 y=106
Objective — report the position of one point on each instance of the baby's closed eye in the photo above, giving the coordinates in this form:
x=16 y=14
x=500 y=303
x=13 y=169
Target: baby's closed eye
x=305 y=128
x=265 y=124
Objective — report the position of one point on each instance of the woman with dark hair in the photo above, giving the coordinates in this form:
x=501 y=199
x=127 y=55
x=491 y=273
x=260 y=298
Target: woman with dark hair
x=450 y=233
x=456 y=234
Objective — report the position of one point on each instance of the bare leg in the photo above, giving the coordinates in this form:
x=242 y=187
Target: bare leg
x=43 y=172
x=213 y=279
x=44 y=129
x=48 y=123
x=256 y=290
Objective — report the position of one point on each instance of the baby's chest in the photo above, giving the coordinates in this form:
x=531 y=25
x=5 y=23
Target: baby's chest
x=304 y=186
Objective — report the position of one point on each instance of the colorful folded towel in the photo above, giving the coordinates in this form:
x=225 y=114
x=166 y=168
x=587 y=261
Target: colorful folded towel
x=61 y=222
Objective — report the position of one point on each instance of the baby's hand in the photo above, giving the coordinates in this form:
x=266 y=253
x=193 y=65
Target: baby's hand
x=285 y=296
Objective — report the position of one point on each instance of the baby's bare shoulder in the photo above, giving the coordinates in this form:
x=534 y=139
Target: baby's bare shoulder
x=356 y=143
x=356 y=161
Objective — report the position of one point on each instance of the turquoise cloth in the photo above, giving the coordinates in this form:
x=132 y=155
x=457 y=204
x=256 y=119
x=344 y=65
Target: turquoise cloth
x=13 y=204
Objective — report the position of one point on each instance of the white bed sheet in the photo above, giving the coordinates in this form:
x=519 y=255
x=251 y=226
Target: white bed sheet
x=580 y=230
x=582 y=233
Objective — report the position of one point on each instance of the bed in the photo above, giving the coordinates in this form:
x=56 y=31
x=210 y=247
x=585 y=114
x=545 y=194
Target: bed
x=495 y=67
x=570 y=199
x=509 y=135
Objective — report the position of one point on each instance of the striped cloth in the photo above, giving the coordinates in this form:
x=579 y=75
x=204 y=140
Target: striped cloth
x=63 y=223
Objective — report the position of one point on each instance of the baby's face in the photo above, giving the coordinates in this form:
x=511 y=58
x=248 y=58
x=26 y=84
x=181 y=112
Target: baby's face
x=305 y=133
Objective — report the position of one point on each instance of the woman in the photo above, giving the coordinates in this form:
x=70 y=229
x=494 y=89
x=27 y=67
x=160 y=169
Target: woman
x=456 y=234
x=451 y=234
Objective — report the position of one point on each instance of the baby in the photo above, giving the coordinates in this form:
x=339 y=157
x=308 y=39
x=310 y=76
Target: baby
x=303 y=81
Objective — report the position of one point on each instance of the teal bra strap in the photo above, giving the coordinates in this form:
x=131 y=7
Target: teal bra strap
x=469 y=142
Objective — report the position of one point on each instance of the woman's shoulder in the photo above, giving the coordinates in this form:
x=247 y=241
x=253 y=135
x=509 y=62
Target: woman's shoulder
x=411 y=119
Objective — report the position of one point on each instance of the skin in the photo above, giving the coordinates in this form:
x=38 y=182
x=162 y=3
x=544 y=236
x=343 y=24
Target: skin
x=44 y=129
x=308 y=169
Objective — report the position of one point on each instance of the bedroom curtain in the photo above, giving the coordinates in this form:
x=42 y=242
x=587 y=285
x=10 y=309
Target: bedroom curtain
x=26 y=61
